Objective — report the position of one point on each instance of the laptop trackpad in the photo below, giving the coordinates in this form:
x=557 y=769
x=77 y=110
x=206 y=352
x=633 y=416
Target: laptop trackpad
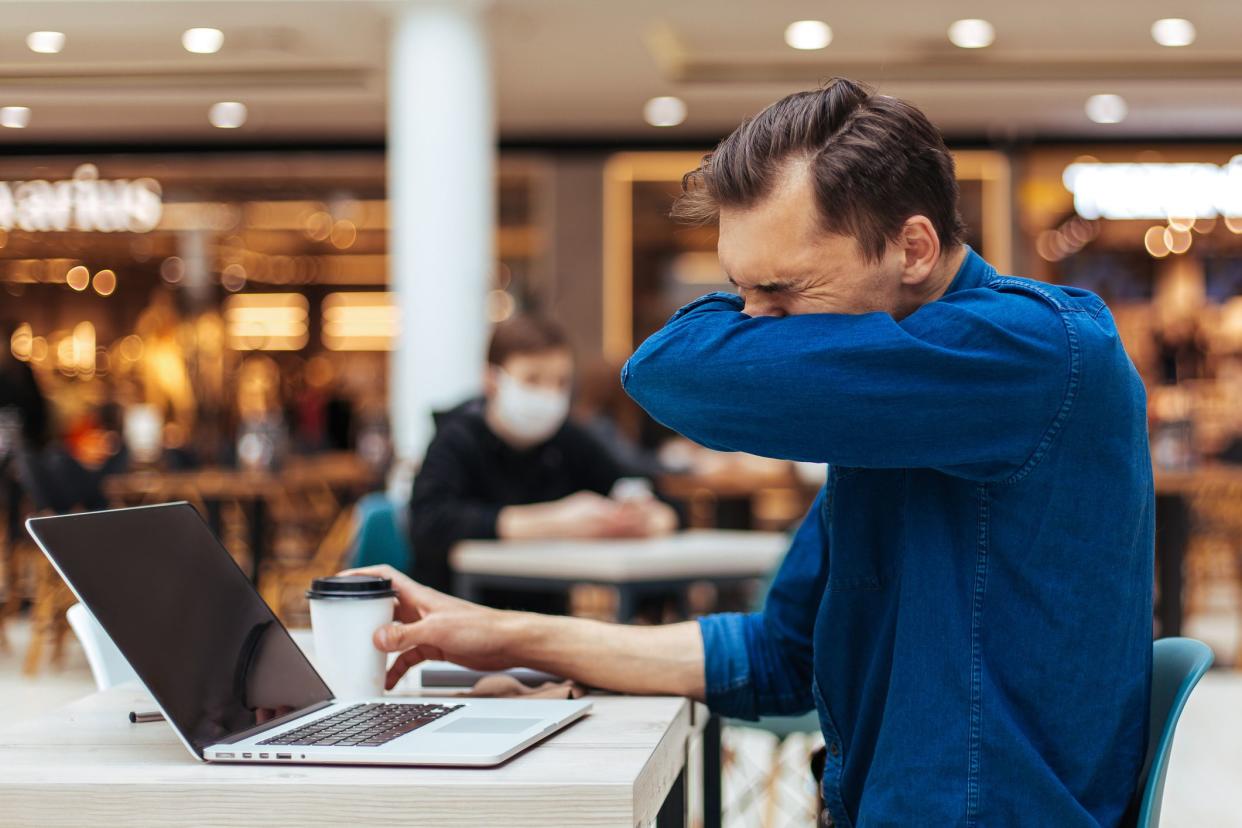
x=485 y=724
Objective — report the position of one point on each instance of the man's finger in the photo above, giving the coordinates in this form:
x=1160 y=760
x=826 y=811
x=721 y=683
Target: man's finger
x=379 y=571
x=399 y=667
x=397 y=637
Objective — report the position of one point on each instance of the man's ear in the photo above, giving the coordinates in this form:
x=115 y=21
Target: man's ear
x=920 y=249
x=490 y=381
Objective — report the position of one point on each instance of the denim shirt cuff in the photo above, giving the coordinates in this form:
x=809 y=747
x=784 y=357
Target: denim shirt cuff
x=730 y=690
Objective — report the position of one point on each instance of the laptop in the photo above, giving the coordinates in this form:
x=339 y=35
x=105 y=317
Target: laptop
x=225 y=672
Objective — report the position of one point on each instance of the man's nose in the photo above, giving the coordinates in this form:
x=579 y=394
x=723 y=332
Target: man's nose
x=760 y=307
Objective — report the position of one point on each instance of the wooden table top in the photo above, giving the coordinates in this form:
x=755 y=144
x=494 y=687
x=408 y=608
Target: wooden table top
x=698 y=553
x=335 y=469
x=85 y=764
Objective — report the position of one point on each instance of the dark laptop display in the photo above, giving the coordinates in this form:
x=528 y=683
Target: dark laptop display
x=187 y=618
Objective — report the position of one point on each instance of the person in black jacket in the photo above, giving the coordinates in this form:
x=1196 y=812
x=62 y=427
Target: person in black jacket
x=21 y=401
x=511 y=465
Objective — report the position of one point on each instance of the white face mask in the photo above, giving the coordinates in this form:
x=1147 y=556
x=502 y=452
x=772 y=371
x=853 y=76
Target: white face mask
x=531 y=415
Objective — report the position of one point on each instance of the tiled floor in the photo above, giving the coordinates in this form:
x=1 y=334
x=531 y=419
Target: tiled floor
x=1203 y=785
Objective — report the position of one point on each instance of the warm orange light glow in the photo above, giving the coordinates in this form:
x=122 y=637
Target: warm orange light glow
x=500 y=305
x=266 y=321
x=20 y=342
x=172 y=270
x=1178 y=240
x=344 y=234
x=1155 y=242
x=105 y=282
x=132 y=348
x=233 y=278
x=318 y=226
x=78 y=278
x=360 y=321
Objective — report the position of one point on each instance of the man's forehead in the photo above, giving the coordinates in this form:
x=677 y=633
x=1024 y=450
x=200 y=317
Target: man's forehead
x=750 y=258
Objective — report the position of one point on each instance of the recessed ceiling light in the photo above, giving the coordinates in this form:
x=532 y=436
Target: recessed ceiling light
x=665 y=111
x=46 y=43
x=227 y=114
x=808 y=34
x=15 y=117
x=1173 y=31
x=1107 y=109
x=972 y=33
x=202 y=41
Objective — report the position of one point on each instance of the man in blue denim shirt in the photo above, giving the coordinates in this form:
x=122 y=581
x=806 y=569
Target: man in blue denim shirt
x=968 y=603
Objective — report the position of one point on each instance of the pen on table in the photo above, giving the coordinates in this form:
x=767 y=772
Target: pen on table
x=141 y=718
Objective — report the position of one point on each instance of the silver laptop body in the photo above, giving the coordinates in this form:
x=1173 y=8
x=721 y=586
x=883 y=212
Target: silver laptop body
x=225 y=672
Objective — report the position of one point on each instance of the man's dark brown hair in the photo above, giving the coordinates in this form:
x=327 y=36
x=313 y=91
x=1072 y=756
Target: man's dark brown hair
x=875 y=161
x=524 y=334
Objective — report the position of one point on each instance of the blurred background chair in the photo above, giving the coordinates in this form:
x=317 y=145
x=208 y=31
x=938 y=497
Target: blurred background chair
x=108 y=666
x=383 y=536
x=283 y=584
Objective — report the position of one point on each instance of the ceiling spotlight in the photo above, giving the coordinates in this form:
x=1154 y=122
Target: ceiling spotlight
x=972 y=33
x=15 y=117
x=227 y=114
x=202 y=41
x=808 y=34
x=1173 y=31
x=1107 y=109
x=665 y=111
x=46 y=43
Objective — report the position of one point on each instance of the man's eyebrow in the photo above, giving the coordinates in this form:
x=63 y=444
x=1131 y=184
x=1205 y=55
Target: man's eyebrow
x=769 y=285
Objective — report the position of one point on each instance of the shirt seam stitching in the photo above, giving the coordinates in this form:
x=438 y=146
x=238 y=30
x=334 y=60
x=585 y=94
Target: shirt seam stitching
x=975 y=738
x=1072 y=382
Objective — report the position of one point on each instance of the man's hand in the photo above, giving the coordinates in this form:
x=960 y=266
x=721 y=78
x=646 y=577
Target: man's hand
x=662 y=660
x=432 y=626
x=579 y=515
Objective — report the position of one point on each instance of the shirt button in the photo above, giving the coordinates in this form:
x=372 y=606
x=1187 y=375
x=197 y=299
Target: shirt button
x=834 y=749
x=825 y=819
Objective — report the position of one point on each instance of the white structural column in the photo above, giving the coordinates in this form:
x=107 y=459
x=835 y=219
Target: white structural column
x=441 y=193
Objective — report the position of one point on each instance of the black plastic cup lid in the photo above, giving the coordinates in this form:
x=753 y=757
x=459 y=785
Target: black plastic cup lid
x=351 y=586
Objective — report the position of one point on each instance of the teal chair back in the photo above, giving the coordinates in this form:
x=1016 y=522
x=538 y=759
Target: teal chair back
x=1177 y=666
x=381 y=534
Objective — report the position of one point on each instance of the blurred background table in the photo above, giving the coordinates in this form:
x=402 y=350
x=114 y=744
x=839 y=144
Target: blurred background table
x=633 y=567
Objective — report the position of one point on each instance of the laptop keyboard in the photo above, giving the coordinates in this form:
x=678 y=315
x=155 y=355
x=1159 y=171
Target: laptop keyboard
x=364 y=725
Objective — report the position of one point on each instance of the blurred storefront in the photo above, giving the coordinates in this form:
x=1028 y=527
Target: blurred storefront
x=1157 y=232
x=197 y=293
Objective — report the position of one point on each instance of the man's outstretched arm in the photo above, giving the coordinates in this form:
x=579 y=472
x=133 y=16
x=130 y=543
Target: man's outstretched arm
x=743 y=665
x=660 y=660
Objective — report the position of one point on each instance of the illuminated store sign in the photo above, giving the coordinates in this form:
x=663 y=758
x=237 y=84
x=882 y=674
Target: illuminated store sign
x=1155 y=191
x=83 y=202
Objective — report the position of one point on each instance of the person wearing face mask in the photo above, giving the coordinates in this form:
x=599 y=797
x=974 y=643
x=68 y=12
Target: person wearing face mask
x=512 y=465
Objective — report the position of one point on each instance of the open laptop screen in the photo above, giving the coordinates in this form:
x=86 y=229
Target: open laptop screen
x=184 y=615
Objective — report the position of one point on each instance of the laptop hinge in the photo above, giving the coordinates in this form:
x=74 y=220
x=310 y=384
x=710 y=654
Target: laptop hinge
x=279 y=720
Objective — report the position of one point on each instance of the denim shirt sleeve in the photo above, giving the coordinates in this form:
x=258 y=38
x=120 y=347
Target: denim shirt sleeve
x=969 y=384
x=760 y=663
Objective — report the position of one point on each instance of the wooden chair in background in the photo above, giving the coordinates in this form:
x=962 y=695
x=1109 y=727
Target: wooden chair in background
x=50 y=602
x=283 y=583
x=53 y=483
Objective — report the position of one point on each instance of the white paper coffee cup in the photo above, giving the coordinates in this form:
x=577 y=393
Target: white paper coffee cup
x=346 y=610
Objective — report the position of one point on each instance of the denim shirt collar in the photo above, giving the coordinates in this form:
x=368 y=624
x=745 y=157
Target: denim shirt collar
x=974 y=272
